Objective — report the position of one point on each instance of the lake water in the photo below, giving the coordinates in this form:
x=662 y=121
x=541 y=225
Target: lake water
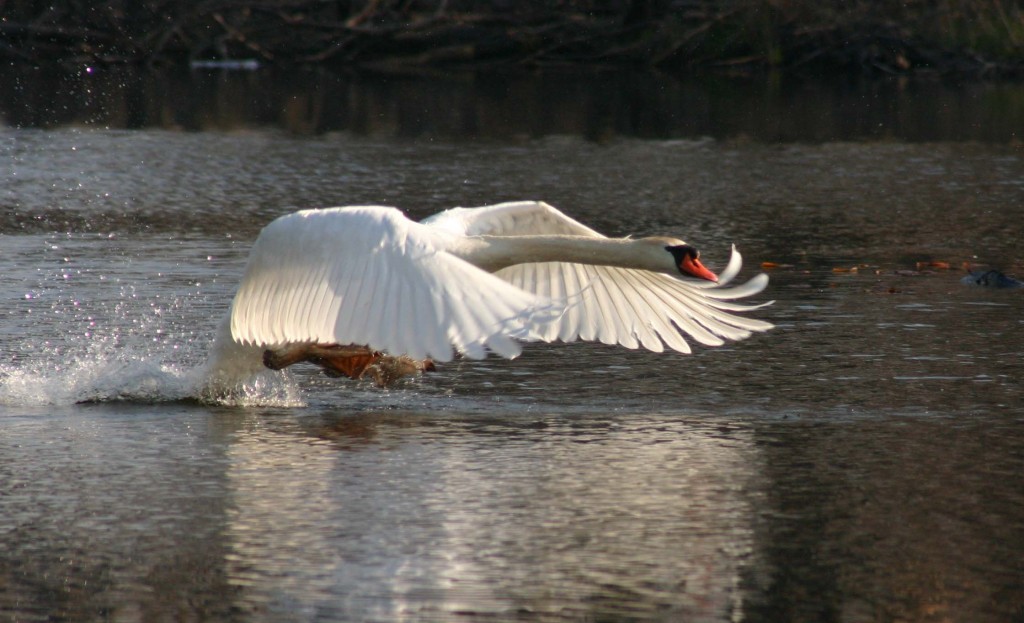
x=860 y=462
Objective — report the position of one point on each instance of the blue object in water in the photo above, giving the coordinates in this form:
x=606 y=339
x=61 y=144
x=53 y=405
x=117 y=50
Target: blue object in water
x=991 y=279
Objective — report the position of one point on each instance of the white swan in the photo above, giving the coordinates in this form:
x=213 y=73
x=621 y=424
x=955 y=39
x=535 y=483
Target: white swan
x=340 y=286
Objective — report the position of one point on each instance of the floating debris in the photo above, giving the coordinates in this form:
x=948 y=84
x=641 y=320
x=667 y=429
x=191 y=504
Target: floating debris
x=850 y=269
x=228 y=64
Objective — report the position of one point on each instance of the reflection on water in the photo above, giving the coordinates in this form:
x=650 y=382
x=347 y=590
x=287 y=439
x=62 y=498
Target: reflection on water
x=859 y=462
x=397 y=515
x=316 y=508
x=100 y=518
x=916 y=533
x=597 y=104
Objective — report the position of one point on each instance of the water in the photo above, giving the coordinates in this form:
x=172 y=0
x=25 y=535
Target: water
x=859 y=462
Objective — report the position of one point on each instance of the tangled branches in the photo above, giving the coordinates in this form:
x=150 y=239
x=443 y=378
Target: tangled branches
x=964 y=36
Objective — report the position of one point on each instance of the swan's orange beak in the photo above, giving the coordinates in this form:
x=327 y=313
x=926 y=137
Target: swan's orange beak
x=692 y=266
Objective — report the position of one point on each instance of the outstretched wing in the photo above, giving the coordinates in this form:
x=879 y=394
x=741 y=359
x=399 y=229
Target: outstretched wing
x=608 y=304
x=515 y=218
x=367 y=275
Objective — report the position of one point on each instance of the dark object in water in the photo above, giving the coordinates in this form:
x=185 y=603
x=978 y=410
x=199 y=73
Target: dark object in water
x=991 y=279
x=227 y=64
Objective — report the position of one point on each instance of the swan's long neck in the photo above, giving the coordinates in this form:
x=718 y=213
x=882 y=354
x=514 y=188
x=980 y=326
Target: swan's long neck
x=492 y=253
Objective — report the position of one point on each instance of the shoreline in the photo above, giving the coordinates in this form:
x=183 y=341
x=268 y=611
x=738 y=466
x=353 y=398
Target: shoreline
x=980 y=41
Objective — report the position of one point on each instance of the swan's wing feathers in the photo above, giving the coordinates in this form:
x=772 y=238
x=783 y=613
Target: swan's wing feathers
x=369 y=276
x=636 y=308
x=516 y=218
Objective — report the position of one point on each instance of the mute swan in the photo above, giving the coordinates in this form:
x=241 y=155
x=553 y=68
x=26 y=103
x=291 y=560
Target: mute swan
x=364 y=289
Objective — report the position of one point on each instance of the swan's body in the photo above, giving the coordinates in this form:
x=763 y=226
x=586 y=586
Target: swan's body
x=467 y=281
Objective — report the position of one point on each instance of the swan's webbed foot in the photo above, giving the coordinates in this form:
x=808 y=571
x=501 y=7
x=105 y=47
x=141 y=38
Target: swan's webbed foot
x=387 y=370
x=350 y=361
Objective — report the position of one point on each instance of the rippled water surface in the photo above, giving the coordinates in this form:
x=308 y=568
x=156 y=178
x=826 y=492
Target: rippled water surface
x=862 y=461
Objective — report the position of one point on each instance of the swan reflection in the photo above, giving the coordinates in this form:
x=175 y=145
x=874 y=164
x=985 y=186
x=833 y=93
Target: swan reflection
x=400 y=516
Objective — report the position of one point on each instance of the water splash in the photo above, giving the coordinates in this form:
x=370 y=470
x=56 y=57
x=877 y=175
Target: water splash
x=134 y=377
x=89 y=380
x=86 y=337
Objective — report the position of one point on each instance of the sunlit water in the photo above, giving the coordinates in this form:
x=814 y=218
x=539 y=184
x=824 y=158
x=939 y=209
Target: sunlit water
x=860 y=462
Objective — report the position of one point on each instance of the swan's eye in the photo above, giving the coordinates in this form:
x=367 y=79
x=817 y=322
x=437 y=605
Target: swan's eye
x=688 y=262
x=683 y=251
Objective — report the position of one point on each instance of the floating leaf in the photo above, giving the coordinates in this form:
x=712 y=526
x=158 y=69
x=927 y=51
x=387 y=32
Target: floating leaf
x=933 y=264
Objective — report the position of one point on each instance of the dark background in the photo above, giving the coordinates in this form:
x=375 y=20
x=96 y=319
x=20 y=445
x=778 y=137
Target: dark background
x=960 y=37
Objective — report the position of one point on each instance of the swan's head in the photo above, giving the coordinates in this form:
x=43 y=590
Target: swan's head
x=687 y=261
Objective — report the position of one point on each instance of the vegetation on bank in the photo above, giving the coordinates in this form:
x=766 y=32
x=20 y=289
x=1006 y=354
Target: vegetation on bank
x=967 y=37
